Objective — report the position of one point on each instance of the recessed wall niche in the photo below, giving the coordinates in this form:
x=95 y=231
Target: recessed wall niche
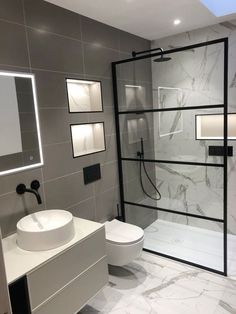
x=87 y=138
x=211 y=126
x=84 y=95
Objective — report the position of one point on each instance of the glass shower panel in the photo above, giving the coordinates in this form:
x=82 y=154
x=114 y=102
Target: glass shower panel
x=170 y=135
x=196 y=190
x=191 y=239
x=191 y=78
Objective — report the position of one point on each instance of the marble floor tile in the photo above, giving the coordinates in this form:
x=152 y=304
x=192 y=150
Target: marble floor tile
x=155 y=285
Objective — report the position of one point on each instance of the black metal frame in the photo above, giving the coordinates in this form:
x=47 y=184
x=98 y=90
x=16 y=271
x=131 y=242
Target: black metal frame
x=224 y=106
x=211 y=139
x=85 y=80
x=103 y=150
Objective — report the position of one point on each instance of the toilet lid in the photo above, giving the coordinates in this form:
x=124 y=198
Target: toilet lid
x=122 y=233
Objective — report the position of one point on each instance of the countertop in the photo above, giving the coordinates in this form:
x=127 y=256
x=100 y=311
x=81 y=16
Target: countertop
x=19 y=262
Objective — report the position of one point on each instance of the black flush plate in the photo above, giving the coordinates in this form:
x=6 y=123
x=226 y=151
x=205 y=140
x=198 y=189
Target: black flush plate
x=92 y=173
x=219 y=151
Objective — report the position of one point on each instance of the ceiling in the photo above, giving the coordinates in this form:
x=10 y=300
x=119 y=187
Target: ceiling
x=151 y=19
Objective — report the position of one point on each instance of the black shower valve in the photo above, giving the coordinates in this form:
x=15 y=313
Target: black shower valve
x=35 y=185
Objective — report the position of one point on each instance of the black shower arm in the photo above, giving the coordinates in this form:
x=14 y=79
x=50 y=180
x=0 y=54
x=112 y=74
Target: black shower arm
x=134 y=53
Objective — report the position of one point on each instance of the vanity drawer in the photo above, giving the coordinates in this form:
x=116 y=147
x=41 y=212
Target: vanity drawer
x=55 y=274
x=74 y=296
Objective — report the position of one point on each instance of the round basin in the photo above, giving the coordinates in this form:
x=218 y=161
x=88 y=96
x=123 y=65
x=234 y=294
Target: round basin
x=45 y=230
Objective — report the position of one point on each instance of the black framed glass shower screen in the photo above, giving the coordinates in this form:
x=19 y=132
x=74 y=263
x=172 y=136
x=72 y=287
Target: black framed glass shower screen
x=157 y=102
x=195 y=81
x=185 y=189
x=167 y=135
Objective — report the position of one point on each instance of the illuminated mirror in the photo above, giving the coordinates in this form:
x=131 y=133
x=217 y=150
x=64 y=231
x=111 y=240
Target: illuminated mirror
x=20 y=141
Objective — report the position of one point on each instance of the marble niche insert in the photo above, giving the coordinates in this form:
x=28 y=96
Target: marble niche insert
x=211 y=126
x=87 y=138
x=84 y=95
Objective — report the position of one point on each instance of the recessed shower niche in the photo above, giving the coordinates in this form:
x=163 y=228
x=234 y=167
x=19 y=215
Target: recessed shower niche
x=84 y=96
x=87 y=138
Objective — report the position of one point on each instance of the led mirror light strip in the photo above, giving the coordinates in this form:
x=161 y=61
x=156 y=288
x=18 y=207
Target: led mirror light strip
x=32 y=77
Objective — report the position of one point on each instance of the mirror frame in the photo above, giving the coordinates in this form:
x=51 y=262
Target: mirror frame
x=41 y=163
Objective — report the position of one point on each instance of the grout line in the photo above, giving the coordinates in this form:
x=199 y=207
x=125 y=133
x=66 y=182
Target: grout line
x=26 y=36
x=80 y=202
x=62 y=177
x=82 y=45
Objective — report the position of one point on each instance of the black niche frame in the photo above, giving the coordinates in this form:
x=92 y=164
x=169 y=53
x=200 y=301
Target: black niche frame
x=85 y=80
x=96 y=152
x=224 y=165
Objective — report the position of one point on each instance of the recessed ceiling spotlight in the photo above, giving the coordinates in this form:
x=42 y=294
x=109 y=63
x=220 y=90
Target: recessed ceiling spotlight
x=177 y=22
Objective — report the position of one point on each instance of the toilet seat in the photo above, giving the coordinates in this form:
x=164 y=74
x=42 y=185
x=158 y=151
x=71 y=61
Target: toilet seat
x=121 y=233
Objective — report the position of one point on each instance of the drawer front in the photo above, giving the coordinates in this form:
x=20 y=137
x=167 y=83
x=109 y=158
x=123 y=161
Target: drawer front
x=54 y=275
x=74 y=296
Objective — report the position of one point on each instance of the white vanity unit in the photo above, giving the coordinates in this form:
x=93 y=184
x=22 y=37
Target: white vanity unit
x=61 y=280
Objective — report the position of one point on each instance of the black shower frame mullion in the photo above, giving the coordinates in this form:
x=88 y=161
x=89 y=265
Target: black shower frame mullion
x=225 y=145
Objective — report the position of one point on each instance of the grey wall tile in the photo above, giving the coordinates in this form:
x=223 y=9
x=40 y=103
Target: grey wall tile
x=98 y=60
x=106 y=204
x=130 y=42
x=13 y=45
x=55 y=124
x=99 y=34
x=108 y=171
x=110 y=154
x=59 y=161
x=85 y=209
x=67 y=191
x=12 y=10
x=14 y=207
x=48 y=17
x=9 y=183
x=51 y=89
x=52 y=52
x=55 y=57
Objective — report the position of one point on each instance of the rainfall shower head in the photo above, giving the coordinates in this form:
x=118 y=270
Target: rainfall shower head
x=162 y=59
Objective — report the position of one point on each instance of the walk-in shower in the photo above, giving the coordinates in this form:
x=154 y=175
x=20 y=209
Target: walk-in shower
x=172 y=171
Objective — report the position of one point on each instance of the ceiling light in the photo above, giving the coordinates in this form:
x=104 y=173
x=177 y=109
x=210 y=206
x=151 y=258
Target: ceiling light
x=177 y=22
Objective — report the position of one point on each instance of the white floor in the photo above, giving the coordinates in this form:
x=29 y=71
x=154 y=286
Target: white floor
x=197 y=245
x=155 y=285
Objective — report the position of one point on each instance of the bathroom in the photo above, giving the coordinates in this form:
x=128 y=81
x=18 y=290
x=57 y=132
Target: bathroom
x=125 y=152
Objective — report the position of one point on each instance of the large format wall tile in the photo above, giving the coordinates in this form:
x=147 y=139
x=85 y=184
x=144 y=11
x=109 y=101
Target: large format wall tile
x=48 y=17
x=98 y=60
x=52 y=52
x=62 y=45
x=13 y=45
x=12 y=10
x=59 y=161
x=67 y=191
x=129 y=42
x=100 y=34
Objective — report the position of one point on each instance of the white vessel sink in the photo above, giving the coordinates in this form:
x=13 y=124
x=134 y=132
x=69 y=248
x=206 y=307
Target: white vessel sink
x=45 y=230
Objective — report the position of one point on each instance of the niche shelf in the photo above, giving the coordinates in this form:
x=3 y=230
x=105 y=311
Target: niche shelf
x=87 y=138
x=84 y=95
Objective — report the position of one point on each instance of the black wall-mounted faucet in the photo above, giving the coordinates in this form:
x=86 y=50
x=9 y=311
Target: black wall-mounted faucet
x=35 y=185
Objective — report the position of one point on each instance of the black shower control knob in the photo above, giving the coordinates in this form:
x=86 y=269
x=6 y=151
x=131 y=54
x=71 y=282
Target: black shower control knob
x=35 y=185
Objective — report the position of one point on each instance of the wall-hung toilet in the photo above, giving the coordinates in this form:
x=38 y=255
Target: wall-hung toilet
x=124 y=242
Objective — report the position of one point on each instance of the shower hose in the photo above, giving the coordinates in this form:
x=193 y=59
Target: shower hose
x=142 y=165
